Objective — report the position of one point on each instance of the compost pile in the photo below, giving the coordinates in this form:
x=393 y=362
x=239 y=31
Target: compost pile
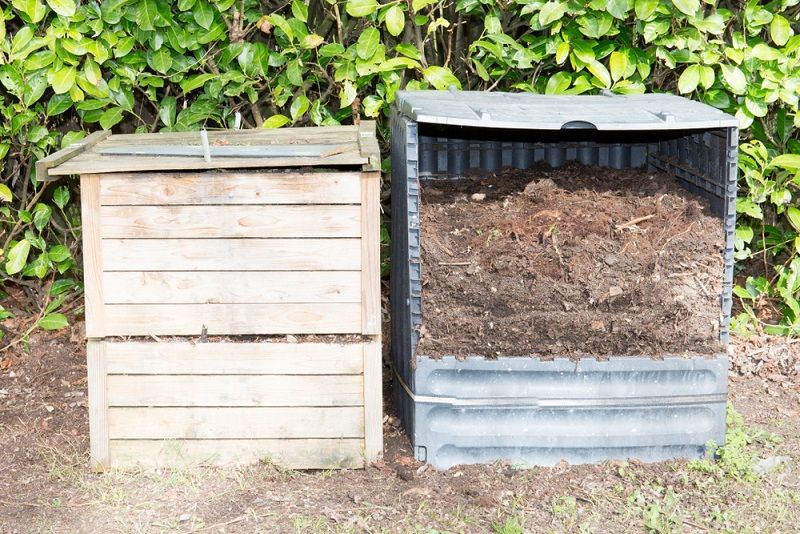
x=575 y=261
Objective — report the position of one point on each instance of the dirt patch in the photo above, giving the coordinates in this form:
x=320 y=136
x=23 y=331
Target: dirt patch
x=570 y=261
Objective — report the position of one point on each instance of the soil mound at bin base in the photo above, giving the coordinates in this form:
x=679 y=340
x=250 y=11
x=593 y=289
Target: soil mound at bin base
x=575 y=261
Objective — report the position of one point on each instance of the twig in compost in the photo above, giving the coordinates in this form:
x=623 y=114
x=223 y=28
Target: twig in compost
x=455 y=263
x=702 y=286
x=635 y=221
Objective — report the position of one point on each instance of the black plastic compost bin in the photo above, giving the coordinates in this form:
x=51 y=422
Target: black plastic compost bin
x=525 y=410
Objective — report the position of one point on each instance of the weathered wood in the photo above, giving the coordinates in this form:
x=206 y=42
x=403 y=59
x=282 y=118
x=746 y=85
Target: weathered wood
x=231 y=254
x=229 y=221
x=370 y=254
x=229 y=188
x=231 y=319
x=227 y=151
x=286 y=453
x=235 y=390
x=373 y=401
x=234 y=287
x=368 y=146
x=91 y=225
x=151 y=358
x=98 y=406
x=93 y=163
x=311 y=134
x=235 y=423
x=57 y=158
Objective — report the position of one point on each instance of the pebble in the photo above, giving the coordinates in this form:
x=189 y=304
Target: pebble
x=478 y=196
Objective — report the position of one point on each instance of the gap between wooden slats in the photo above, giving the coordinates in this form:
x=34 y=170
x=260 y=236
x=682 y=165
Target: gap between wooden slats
x=167 y=222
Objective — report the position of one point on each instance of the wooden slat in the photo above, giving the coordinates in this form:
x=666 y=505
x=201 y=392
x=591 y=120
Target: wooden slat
x=368 y=146
x=229 y=221
x=57 y=158
x=98 y=406
x=306 y=135
x=236 y=287
x=93 y=163
x=91 y=226
x=229 y=188
x=235 y=390
x=370 y=254
x=150 y=358
x=231 y=319
x=286 y=453
x=373 y=401
x=235 y=423
x=231 y=254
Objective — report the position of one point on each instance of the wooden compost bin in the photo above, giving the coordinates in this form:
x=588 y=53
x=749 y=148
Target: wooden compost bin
x=277 y=234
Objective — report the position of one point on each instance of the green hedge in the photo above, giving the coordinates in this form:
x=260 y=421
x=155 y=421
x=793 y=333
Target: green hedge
x=147 y=65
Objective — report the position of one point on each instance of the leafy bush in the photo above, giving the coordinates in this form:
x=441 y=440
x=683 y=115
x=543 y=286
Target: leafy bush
x=148 y=65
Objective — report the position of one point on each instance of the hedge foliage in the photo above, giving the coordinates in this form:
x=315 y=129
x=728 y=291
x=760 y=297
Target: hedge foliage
x=67 y=67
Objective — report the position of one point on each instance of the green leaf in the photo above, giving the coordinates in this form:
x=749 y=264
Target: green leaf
x=395 y=20
x=300 y=10
x=53 y=321
x=65 y=8
x=440 y=77
x=758 y=108
x=5 y=193
x=780 y=30
x=480 y=70
x=61 y=286
x=416 y=5
x=367 y=43
x=793 y=216
x=562 y=53
x=735 y=78
x=717 y=98
x=618 y=63
x=688 y=7
x=160 y=60
x=34 y=9
x=551 y=12
x=168 y=111
x=312 y=40
x=347 y=94
x=203 y=14
x=193 y=82
x=361 y=8
x=72 y=138
x=17 y=256
x=58 y=253
x=748 y=207
x=299 y=106
x=61 y=196
x=558 y=83
x=617 y=8
x=110 y=117
x=61 y=79
x=786 y=161
x=41 y=216
x=645 y=8
x=600 y=72
x=276 y=121
x=689 y=79
x=706 y=77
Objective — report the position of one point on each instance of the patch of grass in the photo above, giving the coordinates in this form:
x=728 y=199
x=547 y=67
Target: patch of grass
x=512 y=525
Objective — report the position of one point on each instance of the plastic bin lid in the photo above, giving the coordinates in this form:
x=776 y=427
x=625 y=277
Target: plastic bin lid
x=556 y=112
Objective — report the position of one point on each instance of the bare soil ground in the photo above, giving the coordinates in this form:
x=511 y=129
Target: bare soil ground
x=569 y=262
x=45 y=485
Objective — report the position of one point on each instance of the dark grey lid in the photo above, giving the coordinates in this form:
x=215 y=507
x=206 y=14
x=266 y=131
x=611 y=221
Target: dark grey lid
x=552 y=112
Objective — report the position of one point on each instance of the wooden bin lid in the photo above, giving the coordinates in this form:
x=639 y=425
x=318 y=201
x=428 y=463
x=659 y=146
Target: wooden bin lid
x=328 y=146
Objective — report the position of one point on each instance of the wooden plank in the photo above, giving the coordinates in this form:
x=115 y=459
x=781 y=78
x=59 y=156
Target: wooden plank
x=93 y=163
x=230 y=188
x=311 y=134
x=151 y=358
x=231 y=287
x=370 y=254
x=286 y=453
x=235 y=390
x=231 y=319
x=98 y=406
x=55 y=159
x=232 y=254
x=235 y=423
x=368 y=146
x=373 y=401
x=91 y=225
x=169 y=222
